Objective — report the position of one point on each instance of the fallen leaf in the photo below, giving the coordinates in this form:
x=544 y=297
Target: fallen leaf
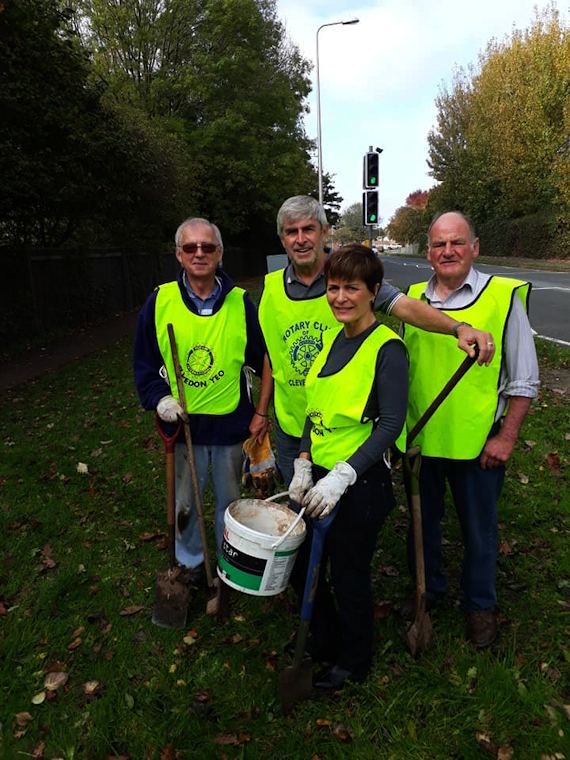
x=75 y=645
x=553 y=460
x=382 y=610
x=530 y=444
x=39 y=698
x=167 y=753
x=53 y=681
x=342 y=732
x=505 y=753
x=484 y=741
x=92 y=689
x=82 y=468
x=23 y=718
x=504 y=547
x=151 y=536
x=38 y=752
x=323 y=722
x=232 y=739
x=236 y=639
x=132 y=610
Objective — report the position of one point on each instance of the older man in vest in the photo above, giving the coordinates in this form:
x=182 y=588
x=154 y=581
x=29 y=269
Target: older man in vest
x=472 y=435
x=218 y=336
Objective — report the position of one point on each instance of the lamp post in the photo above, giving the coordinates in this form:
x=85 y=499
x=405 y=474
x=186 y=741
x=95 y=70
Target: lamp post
x=319 y=135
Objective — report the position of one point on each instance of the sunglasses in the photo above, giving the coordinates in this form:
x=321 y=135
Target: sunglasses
x=193 y=247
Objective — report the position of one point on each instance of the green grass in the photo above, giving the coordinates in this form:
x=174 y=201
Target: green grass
x=78 y=549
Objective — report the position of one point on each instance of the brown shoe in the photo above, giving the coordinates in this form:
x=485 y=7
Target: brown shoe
x=481 y=628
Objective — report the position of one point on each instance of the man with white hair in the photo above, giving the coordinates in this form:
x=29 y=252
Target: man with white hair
x=218 y=336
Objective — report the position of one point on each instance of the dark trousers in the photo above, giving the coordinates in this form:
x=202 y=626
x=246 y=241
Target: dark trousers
x=343 y=612
x=475 y=493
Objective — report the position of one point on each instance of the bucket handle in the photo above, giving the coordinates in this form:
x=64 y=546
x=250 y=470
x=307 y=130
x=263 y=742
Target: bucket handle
x=293 y=525
x=277 y=496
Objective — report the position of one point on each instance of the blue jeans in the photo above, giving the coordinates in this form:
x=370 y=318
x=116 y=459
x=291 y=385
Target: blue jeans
x=475 y=494
x=226 y=464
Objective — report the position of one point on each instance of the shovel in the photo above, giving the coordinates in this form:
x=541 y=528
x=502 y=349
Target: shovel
x=170 y=608
x=420 y=632
x=214 y=590
x=296 y=681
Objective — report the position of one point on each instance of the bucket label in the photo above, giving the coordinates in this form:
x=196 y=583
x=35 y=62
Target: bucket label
x=241 y=568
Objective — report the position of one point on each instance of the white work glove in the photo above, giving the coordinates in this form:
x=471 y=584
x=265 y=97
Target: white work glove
x=302 y=479
x=323 y=497
x=169 y=409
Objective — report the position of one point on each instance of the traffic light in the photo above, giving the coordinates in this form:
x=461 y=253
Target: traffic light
x=370 y=207
x=371 y=171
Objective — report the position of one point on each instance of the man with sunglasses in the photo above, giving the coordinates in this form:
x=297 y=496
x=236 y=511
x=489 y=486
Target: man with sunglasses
x=218 y=337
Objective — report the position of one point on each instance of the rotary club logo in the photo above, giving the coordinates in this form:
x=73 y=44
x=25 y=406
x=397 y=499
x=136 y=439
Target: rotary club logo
x=200 y=360
x=303 y=353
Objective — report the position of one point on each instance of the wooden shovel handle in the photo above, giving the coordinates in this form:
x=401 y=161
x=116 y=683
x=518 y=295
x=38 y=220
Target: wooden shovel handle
x=445 y=391
x=191 y=460
x=169 y=443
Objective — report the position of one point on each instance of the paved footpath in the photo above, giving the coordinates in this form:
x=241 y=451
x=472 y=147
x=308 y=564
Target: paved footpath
x=38 y=361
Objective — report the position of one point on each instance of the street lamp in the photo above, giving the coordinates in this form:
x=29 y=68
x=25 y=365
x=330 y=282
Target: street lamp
x=319 y=136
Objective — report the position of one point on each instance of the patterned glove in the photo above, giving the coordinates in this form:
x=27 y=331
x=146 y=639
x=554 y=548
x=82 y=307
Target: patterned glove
x=323 y=497
x=169 y=409
x=259 y=467
x=302 y=479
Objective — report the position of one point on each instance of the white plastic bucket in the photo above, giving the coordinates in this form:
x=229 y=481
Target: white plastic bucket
x=260 y=546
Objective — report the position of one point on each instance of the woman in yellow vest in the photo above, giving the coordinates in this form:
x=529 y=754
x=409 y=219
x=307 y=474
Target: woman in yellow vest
x=357 y=392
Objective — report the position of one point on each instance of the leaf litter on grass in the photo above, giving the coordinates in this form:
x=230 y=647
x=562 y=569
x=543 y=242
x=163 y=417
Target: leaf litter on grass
x=120 y=692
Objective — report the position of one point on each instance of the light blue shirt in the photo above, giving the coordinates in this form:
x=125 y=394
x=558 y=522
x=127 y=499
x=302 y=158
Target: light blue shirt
x=204 y=306
x=519 y=375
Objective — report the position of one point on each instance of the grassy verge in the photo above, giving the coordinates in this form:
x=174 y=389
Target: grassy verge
x=82 y=500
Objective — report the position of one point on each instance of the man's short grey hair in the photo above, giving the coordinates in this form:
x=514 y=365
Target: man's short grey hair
x=465 y=218
x=300 y=207
x=195 y=220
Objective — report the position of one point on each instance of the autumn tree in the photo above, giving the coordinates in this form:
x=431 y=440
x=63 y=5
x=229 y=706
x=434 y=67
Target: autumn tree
x=418 y=199
x=409 y=222
x=500 y=146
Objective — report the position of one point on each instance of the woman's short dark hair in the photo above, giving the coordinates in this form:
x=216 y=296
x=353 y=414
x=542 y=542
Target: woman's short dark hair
x=355 y=262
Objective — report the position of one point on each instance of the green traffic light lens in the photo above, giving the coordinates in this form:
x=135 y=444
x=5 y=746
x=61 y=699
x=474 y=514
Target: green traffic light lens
x=372 y=180
x=372 y=217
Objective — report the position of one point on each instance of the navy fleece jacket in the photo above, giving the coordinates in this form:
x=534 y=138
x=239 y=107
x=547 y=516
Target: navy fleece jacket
x=206 y=429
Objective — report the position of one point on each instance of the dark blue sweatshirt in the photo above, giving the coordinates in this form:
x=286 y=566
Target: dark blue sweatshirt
x=206 y=429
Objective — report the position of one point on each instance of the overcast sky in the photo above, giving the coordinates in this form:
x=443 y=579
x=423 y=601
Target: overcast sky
x=380 y=77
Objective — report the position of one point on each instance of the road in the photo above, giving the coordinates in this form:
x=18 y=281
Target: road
x=550 y=300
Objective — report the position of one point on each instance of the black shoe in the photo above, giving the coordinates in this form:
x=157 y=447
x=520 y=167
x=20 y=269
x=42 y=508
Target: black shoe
x=197 y=574
x=333 y=678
